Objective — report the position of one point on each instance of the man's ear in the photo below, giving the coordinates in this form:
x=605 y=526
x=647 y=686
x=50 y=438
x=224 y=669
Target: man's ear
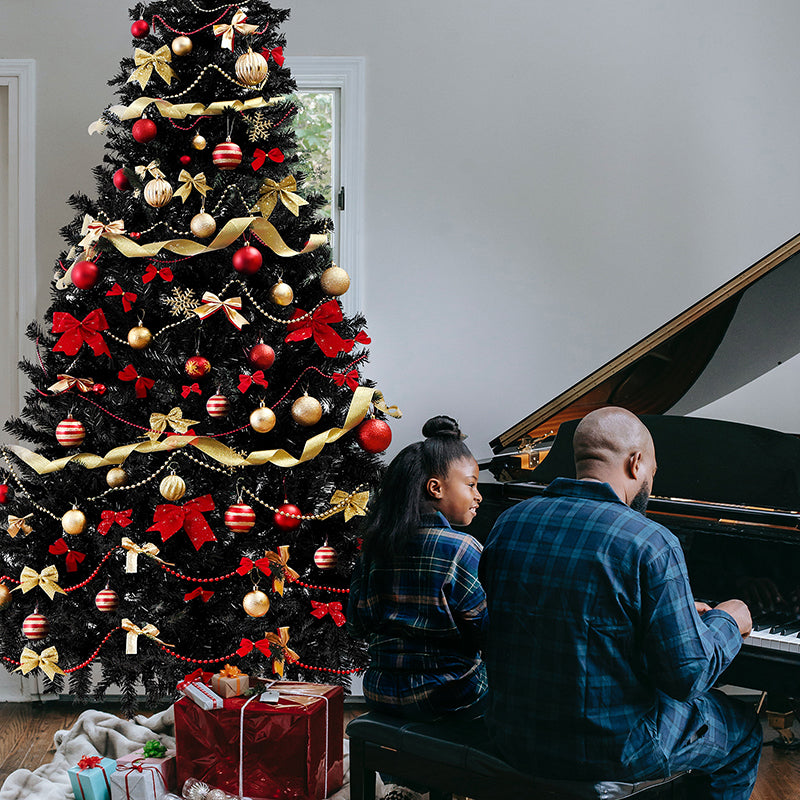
x=434 y=487
x=633 y=464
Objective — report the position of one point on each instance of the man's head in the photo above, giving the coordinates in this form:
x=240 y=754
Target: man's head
x=612 y=445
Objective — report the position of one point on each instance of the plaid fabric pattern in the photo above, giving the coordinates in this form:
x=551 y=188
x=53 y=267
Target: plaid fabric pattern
x=592 y=631
x=423 y=619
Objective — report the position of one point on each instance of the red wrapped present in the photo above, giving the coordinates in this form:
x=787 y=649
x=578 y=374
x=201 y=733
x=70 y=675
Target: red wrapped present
x=289 y=750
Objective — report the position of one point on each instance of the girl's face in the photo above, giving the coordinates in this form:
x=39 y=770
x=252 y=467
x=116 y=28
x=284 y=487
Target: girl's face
x=457 y=495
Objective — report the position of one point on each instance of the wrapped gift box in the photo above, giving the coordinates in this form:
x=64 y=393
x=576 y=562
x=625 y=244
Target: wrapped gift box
x=227 y=685
x=195 y=686
x=140 y=778
x=291 y=750
x=92 y=782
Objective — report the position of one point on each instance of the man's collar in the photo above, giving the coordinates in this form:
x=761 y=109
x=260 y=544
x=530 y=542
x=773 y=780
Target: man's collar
x=585 y=489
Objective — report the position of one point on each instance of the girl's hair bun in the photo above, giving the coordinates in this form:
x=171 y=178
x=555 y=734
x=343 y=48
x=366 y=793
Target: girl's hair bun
x=442 y=427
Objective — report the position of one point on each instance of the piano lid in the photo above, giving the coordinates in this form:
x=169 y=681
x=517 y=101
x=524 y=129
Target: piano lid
x=735 y=334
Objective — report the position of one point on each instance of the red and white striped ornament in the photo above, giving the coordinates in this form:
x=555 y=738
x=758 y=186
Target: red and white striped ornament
x=35 y=627
x=107 y=600
x=218 y=405
x=240 y=518
x=70 y=432
x=325 y=557
x=227 y=155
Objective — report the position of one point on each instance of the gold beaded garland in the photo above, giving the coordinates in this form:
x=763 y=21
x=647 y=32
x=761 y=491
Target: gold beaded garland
x=203 y=225
x=306 y=410
x=199 y=142
x=74 y=521
x=281 y=293
x=181 y=45
x=262 y=420
x=116 y=477
x=139 y=337
x=172 y=488
x=255 y=603
x=251 y=68
x=335 y=281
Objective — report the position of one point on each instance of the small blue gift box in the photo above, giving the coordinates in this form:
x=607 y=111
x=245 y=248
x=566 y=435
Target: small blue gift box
x=90 y=778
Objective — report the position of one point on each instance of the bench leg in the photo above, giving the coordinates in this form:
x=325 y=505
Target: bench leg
x=362 y=779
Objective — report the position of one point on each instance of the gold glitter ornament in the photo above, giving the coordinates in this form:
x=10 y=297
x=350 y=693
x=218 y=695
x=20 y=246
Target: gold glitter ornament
x=262 y=420
x=139 y=337
x=334 y=281
x=251 y=68
x=255 y=603
x=281 y=293
x=181 y=45
x=157 y=193
x=74 y=521
x=306 y=410
x=203 y=225
x=172 y=488
x=199 y=142
x=116 y=477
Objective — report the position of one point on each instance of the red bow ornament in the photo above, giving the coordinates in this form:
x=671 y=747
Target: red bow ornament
x=205 y=594
x=128 y=298
x=168 y=519
x=143 y=385
x=246 y=564
x=89 y=762
x=318 y=325
x=187 y=390
x=276 y=53
x=75 y=333
x=74 y=558
x=349 y=378
x=246 y=646
x=246 y=381
x=319 y=610
x=151 y=271
x=109 y=518
x=259 y=157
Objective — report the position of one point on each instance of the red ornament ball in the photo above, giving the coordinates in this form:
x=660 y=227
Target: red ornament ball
x=140 y=29
x=197 y=366
x=247 y=260
x=287 y=523
x=144 y=130
x=262 y=355
x=84 y=274
x=218 y=405
x=70 y=432
x=106 y=600
x=325 y=557
x=99 y=388
x=374 y=435
x=240 y=518
x=227 y=155
x=185 y=160
x=35 y=627
x=121 y=181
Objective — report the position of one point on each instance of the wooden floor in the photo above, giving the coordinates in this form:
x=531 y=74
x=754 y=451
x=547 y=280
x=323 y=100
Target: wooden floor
x=27 y=729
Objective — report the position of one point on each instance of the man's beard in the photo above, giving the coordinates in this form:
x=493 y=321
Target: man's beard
x=639 y=503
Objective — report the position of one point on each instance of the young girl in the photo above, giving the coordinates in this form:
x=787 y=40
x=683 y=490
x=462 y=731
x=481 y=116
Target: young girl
x=415 y=594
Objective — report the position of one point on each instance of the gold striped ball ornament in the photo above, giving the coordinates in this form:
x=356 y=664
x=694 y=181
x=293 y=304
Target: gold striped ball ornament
x=255 y=603
x=281 y=293
x=70 y=432
x=106 y=600
x=262 y=420
x=306 y=410
x=251 y=68
x=139 y=337
x=203 y=225
x=181 y=45
x=172 y=488
x=334 y=281
x=240 y=518
x=116 y=477
x=218 y=406
x=35 y=627
x=227 y=155
x=74 y=522
x=325 y=557
x=157 y=192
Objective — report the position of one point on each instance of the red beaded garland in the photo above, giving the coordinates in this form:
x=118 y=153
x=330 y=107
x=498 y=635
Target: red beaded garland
x=287 y=523
x=325 y=557
x=240 y=518
x=70 y=432
x=35 y=627
x=144 y=130
x=227 y=155
x=247 y=260
x=107 y=600
x=218 y=405
x=84 y=274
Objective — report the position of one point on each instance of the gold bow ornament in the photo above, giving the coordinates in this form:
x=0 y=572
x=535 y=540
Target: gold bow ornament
x=47 y=661
x=212 y=303
x=280 y=640
x=271 y=191
x=188 y=183
x=353 y=505
x=147 y=62
x=226 y=30
x=151 y=169
x=67 y=382
x=46 y=580
x=134 y=632
x=230 y=671
x=159 y=422
x=93 y=229
x=284 y=571
x=132 y=556
x=19 y=524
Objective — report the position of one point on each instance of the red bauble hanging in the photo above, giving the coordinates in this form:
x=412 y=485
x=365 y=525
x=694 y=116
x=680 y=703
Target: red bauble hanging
x=70 y=432
x=121 y=181
x=325 y=557
x=106 y=600
x=227 y=155
x=247 y=260
x=197 y=366
x=287 y=523
x=218 y=405
x=185 y=160
x=35 y=626
x=144 y=130
x=261 y=355
x=84 y=274
x=140 y=29
x=374 y=435
x=240 y=518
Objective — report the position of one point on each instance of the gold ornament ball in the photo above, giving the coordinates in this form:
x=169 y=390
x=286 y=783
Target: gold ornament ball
x=255 y=603
x=74 y=521
x=251 y=68
x=335 y=281
x=116 y=476
x=5 y=595
x=199 y=142
x=157 y=192
x=281 y=294
x=262 y=420
x=203 y=225
x=139 y=337
x=306 y=410
x=181 y=45
x=172 y=488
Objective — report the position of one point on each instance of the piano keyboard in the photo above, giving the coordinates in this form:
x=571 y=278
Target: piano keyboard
x=775 y=632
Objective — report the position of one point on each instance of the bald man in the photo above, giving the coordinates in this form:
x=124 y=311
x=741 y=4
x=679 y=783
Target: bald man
x=600 y=663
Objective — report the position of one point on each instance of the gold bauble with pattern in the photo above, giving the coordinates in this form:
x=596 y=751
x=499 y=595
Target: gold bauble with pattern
x=5 y=595
x=74 y=521
x=306 y=410
x=255 y=603
x=181 y=45
x=199 y=142
x=116 y=477
x=262 y=420
x=281 y=293
x=251 y=68
x=203 y=225
x=334 y=281
x=157 y=192
x=172 y=488
x=139 y=337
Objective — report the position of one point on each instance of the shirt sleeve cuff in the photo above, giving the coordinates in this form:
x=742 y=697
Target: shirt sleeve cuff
x=725 y=630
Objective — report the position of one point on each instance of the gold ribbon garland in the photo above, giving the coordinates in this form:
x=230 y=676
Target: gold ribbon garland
x=46 y=580
x=133 y=551
x=175 y=419
x=213 y=303
x=188 y=183
x=47 y=661
x=271 y=191
x=18 y=524
x=134 y=632
x=239 y=24
x=355 y=504
x=183 y=110
x=147 y=62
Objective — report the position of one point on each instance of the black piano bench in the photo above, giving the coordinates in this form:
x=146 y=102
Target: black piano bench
x=455 y=758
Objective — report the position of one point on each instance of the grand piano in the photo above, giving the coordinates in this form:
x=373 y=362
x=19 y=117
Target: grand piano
x=730 y=492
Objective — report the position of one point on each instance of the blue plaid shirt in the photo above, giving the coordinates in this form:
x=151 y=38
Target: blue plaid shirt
x=591 y=620
x=423 y=618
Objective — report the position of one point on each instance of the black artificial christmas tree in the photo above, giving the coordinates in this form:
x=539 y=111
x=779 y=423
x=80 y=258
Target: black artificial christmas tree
x=204 y=441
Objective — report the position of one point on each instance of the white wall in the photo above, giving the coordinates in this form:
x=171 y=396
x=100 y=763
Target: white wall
x=545 y=182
